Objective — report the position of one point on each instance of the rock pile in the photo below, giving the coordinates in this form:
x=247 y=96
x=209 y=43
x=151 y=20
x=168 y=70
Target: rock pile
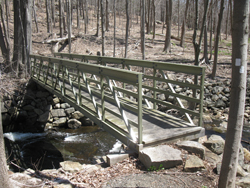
x=192 y=159
x=38 y=110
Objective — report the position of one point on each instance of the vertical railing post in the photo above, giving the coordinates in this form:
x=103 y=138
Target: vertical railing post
x=102 y=96
x=140 y=128
x=154 y=86
x=201 y=96
x=79 y=88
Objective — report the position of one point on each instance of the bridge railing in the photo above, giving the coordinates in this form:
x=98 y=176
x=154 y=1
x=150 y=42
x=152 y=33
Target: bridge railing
x=175 y=81
x=68 y=79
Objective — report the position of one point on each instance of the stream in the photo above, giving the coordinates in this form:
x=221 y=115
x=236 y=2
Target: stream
x=46 y=150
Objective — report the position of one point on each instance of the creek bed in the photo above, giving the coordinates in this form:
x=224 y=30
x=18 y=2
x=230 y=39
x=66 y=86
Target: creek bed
x=46 y=150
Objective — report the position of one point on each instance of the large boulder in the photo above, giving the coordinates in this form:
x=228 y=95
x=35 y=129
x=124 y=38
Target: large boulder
x=161 y=155
x=74 y=124
x=193 y=147
x=58 y=113
x=71 y=166
x=193 y=164
x=215 y=143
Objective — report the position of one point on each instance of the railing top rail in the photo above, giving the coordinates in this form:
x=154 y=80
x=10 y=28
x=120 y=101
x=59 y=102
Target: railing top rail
x=117 y=74
x=189 y=69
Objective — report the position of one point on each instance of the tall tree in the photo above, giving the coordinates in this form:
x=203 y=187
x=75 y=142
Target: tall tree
x=5 y=40
x=4 y=178
x=143 y=28
x=127 y=30
x=238 y=93
x=216 y=46
x=107 y=15
x=61 y=17
x=183 y=28
x=98 y=18
x=69 y=24
x=103 y=30
x=114 y=27
x=22 y=35
x=167 y=46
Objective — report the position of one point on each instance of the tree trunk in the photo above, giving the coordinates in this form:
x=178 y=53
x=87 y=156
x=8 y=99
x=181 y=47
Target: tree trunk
x=86 y=18
x=78 y=14
x=48 y=15
x=27 y=25
x=61 y=18
x=69 y=24
x=211 y=31
x=53 y=13
x=167 y=47
x=205 y=45
x=127 y=28
x=143 y=28
x=4 y=42
x=4 y=177
x=34 y=11
x=18 y=38
x=103 y=30
x=114 y=27
x=216 y=46
x=183 y=29
x=98 y=18
x=107 y=15
x=153 y=3
x=238 y=94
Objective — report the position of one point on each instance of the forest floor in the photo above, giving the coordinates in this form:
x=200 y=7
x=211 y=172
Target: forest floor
x=89 y=44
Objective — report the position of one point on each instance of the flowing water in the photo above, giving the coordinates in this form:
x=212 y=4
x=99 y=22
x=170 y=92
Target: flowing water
x=47 y=150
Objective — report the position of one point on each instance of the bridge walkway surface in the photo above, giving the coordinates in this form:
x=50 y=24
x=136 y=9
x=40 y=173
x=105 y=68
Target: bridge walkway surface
x=114 y=98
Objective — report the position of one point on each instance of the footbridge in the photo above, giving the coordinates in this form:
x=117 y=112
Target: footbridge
x=123 y=96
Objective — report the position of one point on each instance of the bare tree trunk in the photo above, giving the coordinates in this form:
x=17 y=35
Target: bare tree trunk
x=148 y=19
x=34 y=11
x=183 y=29
x=69 y=24
x=27 y=24
x=18 y=37
x=127 y=28
x=114 y=27
x=167 y=47
x=107 y=15
x=53 y=12
x=64 y=18
x=61 y=17
x=227 y=19
x=78 y=14
x=98 y=18
x=211 y=31
x=4 y=42
x=238 y=94
x=103 y=30
x=143 y=29
x=153 y=3
x=86 y=18
x=205 y=45
x=48 y=15
x=216 y=47
x=4 y=177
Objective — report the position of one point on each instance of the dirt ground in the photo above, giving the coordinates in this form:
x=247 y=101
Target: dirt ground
x=130 y=173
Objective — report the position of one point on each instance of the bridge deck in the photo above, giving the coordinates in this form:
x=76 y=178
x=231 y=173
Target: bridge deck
x=158 y=127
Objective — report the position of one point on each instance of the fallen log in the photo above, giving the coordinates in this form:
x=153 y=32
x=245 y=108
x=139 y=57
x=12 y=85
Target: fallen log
x=58 y=40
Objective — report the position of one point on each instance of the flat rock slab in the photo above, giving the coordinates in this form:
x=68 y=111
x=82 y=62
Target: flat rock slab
x=71 y=166
x=162 y=155
x=193 y=164
x=193 y=147
x=116 y=158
